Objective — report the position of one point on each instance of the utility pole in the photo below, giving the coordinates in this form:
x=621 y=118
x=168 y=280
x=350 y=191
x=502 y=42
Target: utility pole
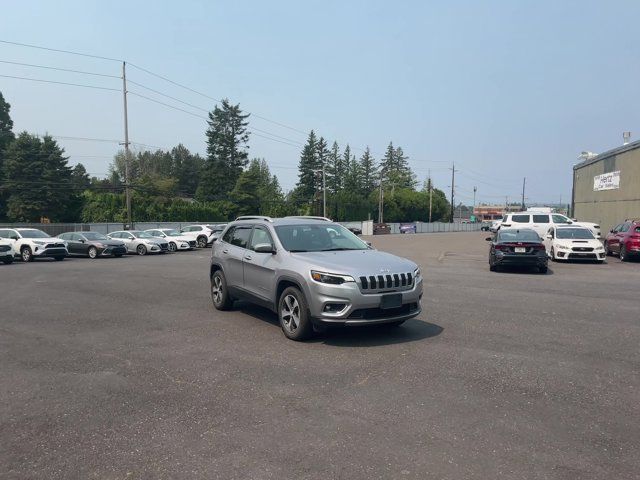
x=453 y=183
x=475 y=189
x=127 y=180
x=524 y=182
x=430 y=195
x=381 y=200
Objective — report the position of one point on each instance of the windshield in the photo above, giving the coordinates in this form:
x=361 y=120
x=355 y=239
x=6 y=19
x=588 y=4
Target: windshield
x=518 y=236
x=142 y=235
x=574 y=233
x=325 y=237
x=94 y=236
x=171 y=233
x=33 y=234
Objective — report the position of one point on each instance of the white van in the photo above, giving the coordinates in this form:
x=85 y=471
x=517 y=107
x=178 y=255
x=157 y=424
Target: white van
x=542 y=222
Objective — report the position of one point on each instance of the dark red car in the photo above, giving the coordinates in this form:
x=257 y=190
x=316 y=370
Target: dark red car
x=624 y=240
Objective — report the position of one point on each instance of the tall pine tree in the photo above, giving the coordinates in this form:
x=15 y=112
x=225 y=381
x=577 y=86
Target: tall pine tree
x=368 y=172
x=307 y=171
x=227 y=137
x=6 y=137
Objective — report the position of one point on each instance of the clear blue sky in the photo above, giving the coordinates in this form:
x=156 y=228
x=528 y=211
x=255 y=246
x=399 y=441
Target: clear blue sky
x=506 y=89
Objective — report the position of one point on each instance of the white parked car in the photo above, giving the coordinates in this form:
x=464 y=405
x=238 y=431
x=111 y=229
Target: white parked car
x=6 y=251
x=204 y=235
x=30 y=243
x=542 y=222
x=140 y=242
x=176 y=240
x=495 y=225
x=570 y=242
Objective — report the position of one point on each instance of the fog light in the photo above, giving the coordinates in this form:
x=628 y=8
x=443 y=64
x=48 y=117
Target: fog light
x=561 y=254
x=334 y=307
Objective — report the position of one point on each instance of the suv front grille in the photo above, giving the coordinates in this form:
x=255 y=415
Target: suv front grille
x=54 y=245
x=383 y=282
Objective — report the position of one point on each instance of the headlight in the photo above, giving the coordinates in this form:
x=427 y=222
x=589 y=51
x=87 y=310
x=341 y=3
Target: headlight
x=39 y=242
x=416 y=272
x=599 y=248
x=331 y=278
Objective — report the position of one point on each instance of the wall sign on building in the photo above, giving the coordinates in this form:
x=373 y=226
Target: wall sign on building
x=606 y=181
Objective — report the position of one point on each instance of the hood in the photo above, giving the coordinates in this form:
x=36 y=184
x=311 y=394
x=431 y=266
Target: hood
x=356 y=262
x=569 y=242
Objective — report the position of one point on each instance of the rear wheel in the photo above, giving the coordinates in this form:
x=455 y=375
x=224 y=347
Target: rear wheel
x=293 y=314
x=93 y=252
x=141 y=250
x=26 y=254
x=202 y=241
x=544 y=269
x=219 y=293
x=172 y=247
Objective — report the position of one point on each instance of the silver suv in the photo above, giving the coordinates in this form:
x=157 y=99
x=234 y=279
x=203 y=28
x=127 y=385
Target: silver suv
x=311 y=272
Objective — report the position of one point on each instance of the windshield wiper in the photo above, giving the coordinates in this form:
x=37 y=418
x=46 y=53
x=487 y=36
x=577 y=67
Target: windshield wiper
x=298 y=251
x=339 y=249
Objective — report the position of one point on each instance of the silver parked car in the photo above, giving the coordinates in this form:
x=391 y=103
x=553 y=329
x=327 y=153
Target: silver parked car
x=140 y=242
x=311 y=272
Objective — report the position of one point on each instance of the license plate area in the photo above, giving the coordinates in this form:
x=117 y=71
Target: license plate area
x=393 y=300
x=520 y=250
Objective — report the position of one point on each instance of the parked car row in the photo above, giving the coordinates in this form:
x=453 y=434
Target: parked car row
x=569 y=241
x=30 y=243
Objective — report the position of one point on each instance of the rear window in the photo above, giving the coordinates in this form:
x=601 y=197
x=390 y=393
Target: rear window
x=518 y=236
x=520 y=218
x=541 y=219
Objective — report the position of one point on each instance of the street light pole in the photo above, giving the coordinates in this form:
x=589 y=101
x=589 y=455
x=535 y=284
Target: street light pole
x=127 y=180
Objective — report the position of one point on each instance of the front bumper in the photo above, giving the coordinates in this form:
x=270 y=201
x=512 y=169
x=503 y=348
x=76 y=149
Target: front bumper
x=49 y=252
x=360 y=308
x=108 y=251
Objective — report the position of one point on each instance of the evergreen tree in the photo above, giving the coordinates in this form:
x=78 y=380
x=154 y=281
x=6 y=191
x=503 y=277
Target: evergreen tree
x=369 y=175
x=227 y=137
x=80 y=178
x=352 y=174
x=186 y=169
x=6 y=137
x=396 y=172
x=334 y=170
x=307 y=167
x=39 y=181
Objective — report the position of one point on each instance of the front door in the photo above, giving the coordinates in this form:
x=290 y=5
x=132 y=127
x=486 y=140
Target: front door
x=233 y=251
x=259 y=268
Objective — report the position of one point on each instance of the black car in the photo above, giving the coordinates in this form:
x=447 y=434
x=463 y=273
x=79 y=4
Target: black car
x=92 y=244
x=355 y=230
x=518 y=247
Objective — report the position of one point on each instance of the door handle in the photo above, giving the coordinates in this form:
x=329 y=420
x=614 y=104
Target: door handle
x=248 y=257
x=225 y=251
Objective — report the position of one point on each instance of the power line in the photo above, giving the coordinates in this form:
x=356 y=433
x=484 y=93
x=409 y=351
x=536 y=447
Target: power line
x=60 y=83
x=59 y=69
x=60 y=51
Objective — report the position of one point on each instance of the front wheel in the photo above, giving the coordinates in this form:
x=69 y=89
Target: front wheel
x=172 y=247
x=553 y=255
x=607 y=252
x=202 y=242
x=219 y=293
x=624 y=257
x=26 y=254
x=93 y=252
x=293 y=314
x=141 y=250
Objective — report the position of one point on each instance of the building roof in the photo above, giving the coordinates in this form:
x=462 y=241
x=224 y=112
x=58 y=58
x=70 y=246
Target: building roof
x=608 y=153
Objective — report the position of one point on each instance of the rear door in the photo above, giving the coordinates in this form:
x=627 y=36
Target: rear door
x=260 y=268
x=540 y=223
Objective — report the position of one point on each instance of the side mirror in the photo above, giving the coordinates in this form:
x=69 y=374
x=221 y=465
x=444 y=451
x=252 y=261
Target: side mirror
x=14 y=237
x=264 y=248
x=82 y=240
x=611 y=231
x=489 y=239
x=549 y=237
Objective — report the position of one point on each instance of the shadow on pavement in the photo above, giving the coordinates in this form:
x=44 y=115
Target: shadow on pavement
x=522 y=270
x=360 y=336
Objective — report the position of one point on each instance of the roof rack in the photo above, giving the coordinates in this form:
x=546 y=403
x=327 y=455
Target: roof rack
x=309 y=217
x=255 y=217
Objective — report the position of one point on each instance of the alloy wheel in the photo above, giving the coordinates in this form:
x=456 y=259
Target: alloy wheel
x=172 y=247
x=216 y=290
x=290 y=313
x=93 y=253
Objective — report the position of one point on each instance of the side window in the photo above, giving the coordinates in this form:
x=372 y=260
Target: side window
x=241 y=236
x=541 y=219
x=520 y=218
x=559 y=219
x=260 y=235
x=196 y=229
x=227 y=236
x=4 y=234
x=625 y=228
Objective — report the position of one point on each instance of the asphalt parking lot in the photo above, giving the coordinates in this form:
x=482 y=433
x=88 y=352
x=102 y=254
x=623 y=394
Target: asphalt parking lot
x=120 y=368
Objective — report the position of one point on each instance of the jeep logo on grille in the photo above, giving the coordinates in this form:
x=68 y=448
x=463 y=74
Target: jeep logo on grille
x=384 y=270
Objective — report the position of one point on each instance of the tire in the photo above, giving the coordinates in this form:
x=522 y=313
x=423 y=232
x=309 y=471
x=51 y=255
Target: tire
x=553 y=255
x=543 y=270
x=141 y=250
x=219 y=292
x=202 y=242
x=7 y=260
x=26 y=254
x=624 y=256
x=293 y=314
x=172 y=247
x=607 y=252
x=93 y=252
x=493 y=268
x=58 y=259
